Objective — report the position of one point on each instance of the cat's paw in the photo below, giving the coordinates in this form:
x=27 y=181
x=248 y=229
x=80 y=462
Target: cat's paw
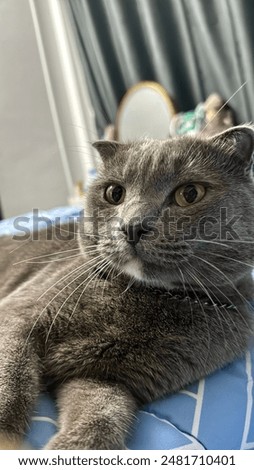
x=10 y=443
x=62 y=441
x=55 y=444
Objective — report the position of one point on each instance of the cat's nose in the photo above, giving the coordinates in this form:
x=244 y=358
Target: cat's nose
x=134 y=232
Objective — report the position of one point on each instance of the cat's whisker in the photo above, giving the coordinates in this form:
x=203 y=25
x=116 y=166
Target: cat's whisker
x=91 y=130
x=185 y=289
x=203 y=288
x=100 y=270
x=117 y=270
x=89 y=247
x=65 y=277
x=210 y=282
x=83 y=272
x=61 y=227
x=199 y=134
x=94 y=274
x=224 y=105
x=49 y=254
x=96 y=266
x=50 y=302
x=34 y=261
x=49 y=261
x=218 y=300
x=19 y=246
x=130 y=284
x=96 y=278
x=223 y=276
x=224 y=244
x=241 y=241
x=232 y=259
x=59 y=280
x=82 y=147
x=237 y=310
x=107 y=277
x=77 y=149
x=92 y=235
x=209 y=241
x=200 y=283
x=119 y=273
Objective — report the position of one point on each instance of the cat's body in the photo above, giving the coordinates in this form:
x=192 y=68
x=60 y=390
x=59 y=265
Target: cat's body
x=133 y=312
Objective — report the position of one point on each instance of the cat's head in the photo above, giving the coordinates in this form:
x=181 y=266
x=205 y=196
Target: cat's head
x=175 y=211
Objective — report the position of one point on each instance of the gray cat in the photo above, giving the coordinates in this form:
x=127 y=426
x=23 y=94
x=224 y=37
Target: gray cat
x=149 y=295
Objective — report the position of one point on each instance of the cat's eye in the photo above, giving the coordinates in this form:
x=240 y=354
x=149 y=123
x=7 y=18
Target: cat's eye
x=189 y=194
x=115 y=194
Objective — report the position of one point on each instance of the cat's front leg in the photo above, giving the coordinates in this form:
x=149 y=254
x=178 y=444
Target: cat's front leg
x=19 y=385
x=93 y=415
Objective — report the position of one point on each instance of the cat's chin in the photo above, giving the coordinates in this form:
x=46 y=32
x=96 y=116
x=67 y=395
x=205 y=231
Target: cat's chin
x=134 y=269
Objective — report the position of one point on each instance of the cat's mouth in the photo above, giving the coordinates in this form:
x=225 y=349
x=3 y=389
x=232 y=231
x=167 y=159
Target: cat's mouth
x=146 y=260
x=146 y=263
x=150 y=275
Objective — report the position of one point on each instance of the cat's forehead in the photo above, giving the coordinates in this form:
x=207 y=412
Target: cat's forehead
x=152 y=159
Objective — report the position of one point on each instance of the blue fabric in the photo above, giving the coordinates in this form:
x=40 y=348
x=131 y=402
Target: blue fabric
x=214 y=413
x=37 y=220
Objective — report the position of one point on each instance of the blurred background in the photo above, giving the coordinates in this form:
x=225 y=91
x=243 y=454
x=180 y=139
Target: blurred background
x=65 y=66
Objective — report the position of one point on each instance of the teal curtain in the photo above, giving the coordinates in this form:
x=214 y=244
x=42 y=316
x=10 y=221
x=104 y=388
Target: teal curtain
x=192 y=47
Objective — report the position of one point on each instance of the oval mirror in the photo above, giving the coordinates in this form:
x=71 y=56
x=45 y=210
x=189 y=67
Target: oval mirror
x=145 y=111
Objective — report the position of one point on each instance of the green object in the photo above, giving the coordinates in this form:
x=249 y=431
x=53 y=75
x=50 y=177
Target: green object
x=190 y=122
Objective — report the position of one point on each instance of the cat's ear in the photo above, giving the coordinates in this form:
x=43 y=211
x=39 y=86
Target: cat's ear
x=239 y=141
x=107 y=148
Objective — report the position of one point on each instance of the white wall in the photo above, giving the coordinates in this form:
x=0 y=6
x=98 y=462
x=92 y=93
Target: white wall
x=32 y=173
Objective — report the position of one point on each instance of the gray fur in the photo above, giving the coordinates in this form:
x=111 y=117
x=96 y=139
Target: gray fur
x=160 y=314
